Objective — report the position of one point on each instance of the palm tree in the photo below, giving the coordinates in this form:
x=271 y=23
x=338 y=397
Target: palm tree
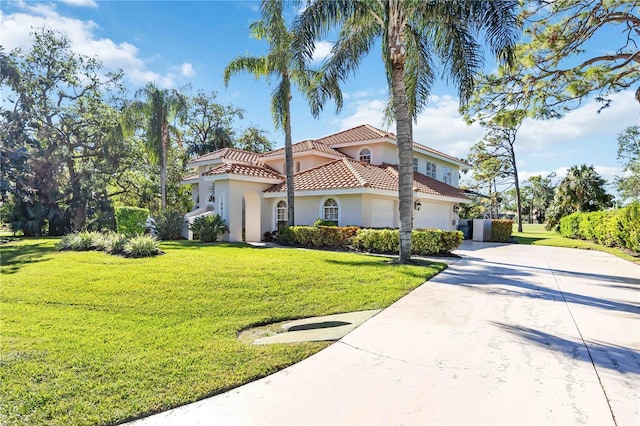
x=278 y=64
x=413 y=34
x=153 y=111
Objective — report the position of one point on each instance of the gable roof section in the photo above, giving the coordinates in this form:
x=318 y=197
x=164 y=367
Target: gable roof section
x=360 y=133
x=347 y=173
x=306 y=146
x=244 y=170
x=366 y=132
x=228 y=154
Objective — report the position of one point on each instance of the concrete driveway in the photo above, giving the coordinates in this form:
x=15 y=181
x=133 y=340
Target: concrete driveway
x=509 y=334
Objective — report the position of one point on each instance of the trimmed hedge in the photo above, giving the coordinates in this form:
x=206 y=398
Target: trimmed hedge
x=612 y=228
x=501 y=230
x=131 y=220
x=385 y=241
x=318 y=236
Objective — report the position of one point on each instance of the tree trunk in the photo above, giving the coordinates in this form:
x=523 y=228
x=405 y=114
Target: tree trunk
x=288 y=156
x=163 y=165
x=405 y=161
x=515 y=176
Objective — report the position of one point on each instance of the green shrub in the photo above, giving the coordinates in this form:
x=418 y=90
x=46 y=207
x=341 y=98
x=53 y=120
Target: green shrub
x=630 y=227
x=114 y=242
x=318 y=236
x=377 y=240
x=325 y=222
x=209 y=228
x=570 y=225
x=131 y=220
x=169 y=225
x=82 y=241
x=501 y=230
x=613 y=228
x=142 y=246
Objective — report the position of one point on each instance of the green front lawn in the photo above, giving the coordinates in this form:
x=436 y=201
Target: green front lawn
x=535 y=234
x=91 y=338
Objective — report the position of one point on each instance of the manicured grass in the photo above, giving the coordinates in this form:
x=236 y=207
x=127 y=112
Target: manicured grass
x=91 y=338
x=535 y=234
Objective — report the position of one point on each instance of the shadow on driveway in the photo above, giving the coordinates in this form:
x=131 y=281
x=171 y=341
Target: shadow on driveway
x=613 y=357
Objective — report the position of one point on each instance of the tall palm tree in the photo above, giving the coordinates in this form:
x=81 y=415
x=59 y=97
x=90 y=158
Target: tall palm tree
x=278 y=64
x=413 y=33
x=153 y=111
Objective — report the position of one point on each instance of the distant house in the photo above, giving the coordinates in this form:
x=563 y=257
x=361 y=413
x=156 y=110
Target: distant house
x=349 y=177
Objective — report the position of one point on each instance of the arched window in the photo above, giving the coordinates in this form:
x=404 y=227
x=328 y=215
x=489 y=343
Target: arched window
x=330 y=210
x=281 y=211
x=365 y=155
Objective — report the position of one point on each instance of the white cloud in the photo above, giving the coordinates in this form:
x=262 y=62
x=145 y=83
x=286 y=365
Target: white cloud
x=323 y=50
x=366 y=112
x=187 y=70
x=580 y=124
x=17 y=28
x=81 y=3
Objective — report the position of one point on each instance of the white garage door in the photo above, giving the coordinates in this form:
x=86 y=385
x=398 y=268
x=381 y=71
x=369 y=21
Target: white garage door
x=432 y=216
x=382 y=214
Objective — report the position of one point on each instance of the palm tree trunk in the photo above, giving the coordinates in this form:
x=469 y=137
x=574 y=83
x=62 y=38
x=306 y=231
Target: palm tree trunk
x=163 y=165
x=288 y=157
x=404 y=133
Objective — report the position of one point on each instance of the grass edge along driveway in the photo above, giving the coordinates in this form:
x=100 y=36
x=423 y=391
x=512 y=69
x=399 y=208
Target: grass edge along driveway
x=537 y=235
x=90 y=338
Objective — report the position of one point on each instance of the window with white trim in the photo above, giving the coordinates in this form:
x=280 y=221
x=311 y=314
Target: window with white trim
x=365 y=155
x=297 y=166
x=446 y=175
x=415 y=164
x=282 y=212
x=330 y=210
x=431 y=169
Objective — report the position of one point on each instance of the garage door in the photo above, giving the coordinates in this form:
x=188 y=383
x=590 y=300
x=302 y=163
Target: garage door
x=432 y=216
x=382 y=213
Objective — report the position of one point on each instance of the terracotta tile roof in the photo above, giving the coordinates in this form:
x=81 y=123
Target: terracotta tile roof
x=367 y=132
x=192 y=176
x=244 y=169
x=360 y=133
x=347 y=173
x=228 y=154
x=306 y=146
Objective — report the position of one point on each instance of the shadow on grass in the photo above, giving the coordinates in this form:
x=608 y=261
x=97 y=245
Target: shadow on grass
x=16 y=255
x=614 y=357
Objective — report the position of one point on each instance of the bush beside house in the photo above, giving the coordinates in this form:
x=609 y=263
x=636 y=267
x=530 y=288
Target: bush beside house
x=385 y=241
x=501 y=230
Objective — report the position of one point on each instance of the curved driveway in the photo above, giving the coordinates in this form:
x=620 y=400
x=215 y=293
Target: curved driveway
x=508 y=334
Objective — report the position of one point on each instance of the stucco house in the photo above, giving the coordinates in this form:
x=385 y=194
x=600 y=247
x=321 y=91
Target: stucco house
x=350 y=177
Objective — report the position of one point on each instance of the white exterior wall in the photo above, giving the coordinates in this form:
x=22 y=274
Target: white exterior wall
x=422 y=167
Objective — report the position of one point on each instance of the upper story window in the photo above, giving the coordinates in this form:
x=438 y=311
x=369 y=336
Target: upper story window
x=330 y=210
x=297 y=166
x=446 y=175
x=431 y=169
x=365 y=155
x=415 y=164
x=282 y=212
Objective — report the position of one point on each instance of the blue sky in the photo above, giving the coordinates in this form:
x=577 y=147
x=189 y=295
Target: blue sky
x=178 y=42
